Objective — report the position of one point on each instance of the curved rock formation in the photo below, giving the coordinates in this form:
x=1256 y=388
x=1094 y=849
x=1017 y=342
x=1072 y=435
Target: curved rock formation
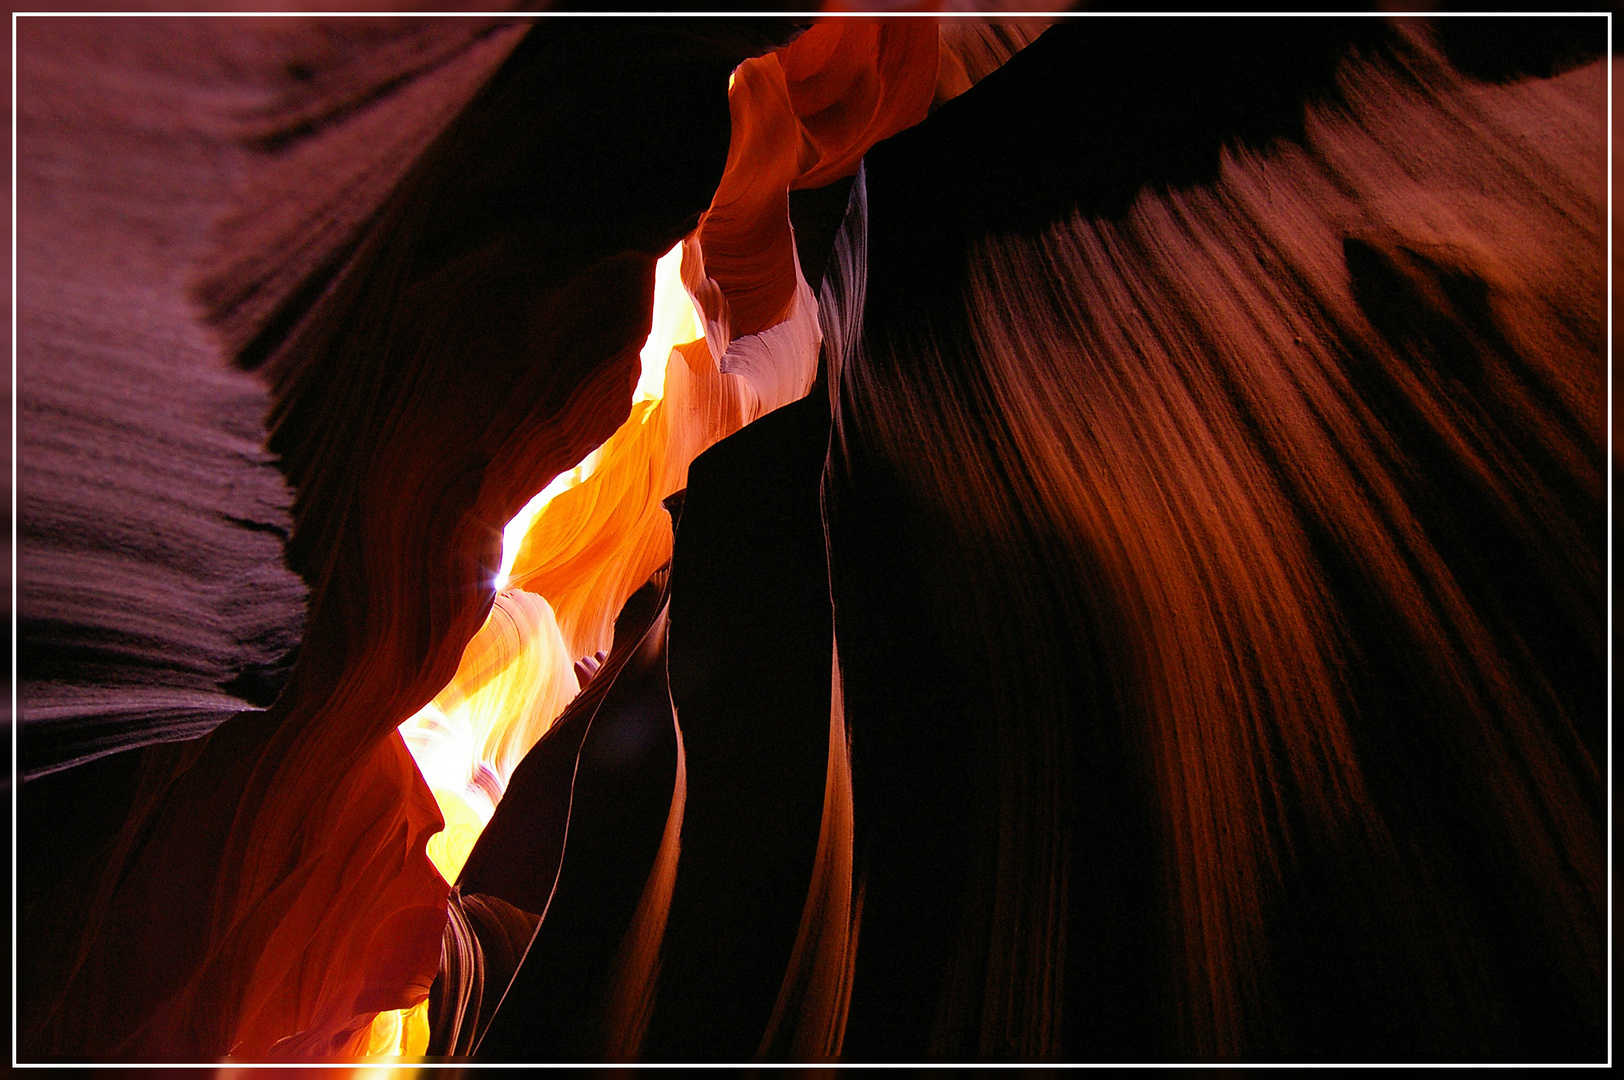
x=1185 y=680
x=404 y=467
x=1108 y=567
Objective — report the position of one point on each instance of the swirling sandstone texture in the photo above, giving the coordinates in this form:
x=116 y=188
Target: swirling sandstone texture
x=1225 y=679
x=479 y=337
x=1117 y=576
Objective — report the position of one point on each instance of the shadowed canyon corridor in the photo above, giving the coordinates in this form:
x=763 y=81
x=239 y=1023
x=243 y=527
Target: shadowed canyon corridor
x=855 y=539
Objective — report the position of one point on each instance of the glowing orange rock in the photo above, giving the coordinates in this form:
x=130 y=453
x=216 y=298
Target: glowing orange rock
x=595 y=544
x=271 y=890
x=803 y=117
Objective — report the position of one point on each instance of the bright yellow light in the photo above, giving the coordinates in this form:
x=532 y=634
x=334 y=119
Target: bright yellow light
x=399 y=1033
x=675 y=322
x=517 y=674
x=449 y=848
x=384 y=1038
x=514 y=678
x=513 y=534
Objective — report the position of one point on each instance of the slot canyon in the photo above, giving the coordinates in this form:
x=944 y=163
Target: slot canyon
x=911 y=539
